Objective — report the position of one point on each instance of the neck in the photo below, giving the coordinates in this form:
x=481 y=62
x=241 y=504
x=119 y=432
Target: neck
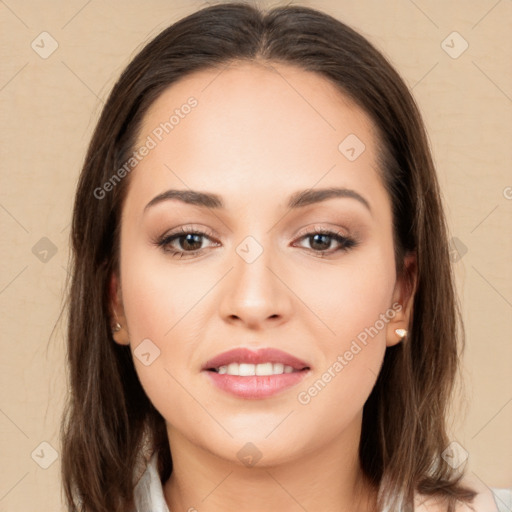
x=325 y=480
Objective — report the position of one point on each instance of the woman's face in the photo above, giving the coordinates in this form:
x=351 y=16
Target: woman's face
x=265 y=142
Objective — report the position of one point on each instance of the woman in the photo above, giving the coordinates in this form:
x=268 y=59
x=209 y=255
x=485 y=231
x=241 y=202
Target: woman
x=262 y=312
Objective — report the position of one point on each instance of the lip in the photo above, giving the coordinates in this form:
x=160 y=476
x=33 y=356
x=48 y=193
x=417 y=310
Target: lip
x=263 y=355
x=255 y=386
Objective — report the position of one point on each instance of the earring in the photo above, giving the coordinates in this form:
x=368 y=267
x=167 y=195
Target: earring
x=116 y=327
x=401 y=332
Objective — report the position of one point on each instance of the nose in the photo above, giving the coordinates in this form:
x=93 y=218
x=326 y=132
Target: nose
x=255 y=293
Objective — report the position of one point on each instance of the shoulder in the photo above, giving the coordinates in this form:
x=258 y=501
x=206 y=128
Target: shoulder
x=487 y=500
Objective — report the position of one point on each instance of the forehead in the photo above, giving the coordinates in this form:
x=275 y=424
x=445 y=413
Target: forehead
x=254 y=95
x=253 y=126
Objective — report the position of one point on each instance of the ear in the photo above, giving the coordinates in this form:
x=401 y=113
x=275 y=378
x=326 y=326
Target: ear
x=117 y=311
x=403 y=299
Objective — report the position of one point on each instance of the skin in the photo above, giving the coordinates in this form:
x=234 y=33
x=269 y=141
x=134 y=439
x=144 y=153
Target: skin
x=254 y=140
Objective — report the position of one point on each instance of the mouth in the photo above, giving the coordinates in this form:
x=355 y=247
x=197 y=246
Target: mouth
x=261 y=369
x=245 y=362
x=255 y=375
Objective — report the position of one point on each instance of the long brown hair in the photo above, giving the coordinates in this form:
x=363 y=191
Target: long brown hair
x=110 y=426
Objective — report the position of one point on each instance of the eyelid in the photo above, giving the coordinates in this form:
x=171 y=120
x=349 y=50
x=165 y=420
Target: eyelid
x=189 y=228
x=336 y=233
x=163 y=240
x=316 y=228
x=323 y=227
x=346 y=240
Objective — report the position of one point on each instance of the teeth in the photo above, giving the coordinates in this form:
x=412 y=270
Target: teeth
x=232 y=369
x=246 y=369
x=263 y=369
x=277 y=368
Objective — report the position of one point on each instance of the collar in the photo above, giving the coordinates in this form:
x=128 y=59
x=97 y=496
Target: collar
x=149 y=493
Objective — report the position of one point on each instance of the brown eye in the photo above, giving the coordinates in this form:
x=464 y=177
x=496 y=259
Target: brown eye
x=189 y=242
x=321 y=240
x=184 y=242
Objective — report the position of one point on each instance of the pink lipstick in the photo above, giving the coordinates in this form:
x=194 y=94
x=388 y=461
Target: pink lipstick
x=255 y=374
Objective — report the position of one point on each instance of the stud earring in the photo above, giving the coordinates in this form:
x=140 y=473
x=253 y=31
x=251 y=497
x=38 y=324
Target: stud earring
x=116 y=327
x=401 y=332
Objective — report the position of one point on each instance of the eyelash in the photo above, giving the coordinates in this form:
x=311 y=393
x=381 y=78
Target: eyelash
x=164 y=242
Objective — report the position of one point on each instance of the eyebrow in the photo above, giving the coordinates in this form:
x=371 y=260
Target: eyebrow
x=298 y=199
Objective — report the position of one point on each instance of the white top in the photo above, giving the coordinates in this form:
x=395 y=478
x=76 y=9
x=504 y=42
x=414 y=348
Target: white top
x=149 y=494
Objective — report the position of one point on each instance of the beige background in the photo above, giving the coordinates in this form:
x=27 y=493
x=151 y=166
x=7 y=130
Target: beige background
x=51 y=105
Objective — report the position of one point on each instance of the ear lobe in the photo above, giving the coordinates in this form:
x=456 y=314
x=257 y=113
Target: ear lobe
x=117 y=317
x=403 y=295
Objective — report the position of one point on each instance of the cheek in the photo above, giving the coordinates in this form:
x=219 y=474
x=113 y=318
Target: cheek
x=163 y=303
x=158 y=294
x=354 y=304
x=349 y=297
